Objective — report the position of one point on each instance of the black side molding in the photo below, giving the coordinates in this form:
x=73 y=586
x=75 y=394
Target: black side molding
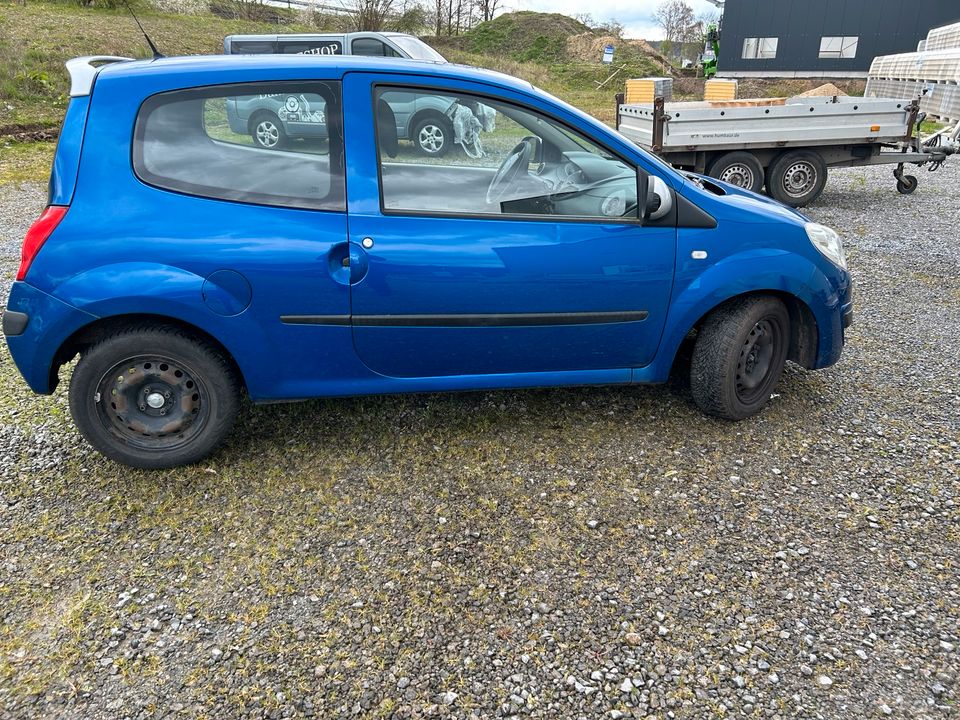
x=315 y=319
x=470 y=320
x=692 y=216
x=14 y=323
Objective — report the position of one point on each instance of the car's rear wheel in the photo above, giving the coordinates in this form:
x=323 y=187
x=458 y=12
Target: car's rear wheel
x=154 y=397
x=267 y=131
x=739 y=356
x=432 y=136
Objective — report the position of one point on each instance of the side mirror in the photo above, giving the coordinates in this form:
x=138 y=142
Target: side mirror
x=655 y=197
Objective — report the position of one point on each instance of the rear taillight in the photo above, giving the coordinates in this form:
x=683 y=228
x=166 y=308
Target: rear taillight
x=37 y=235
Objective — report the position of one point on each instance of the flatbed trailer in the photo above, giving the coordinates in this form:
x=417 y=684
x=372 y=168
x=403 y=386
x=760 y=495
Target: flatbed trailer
x=786 y=146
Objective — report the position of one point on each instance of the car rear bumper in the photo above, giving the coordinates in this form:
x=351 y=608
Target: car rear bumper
x=35 y=325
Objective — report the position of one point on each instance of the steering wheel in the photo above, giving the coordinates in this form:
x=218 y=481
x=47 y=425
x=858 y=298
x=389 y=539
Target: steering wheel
x=517 y=163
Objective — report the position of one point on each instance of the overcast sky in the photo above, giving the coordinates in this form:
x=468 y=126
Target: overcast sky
x=636 y=15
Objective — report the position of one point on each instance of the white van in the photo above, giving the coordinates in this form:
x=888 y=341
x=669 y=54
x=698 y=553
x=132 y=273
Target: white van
x=377 y=44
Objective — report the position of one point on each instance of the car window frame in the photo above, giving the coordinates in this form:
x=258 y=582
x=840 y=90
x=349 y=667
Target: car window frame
x=206 y=92
x=375 y=87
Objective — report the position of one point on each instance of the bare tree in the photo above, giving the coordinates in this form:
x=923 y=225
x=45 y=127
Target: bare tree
x=586 y=18
x=372 y=14
x=676 y=19
x=704 y=20
x=487 y=9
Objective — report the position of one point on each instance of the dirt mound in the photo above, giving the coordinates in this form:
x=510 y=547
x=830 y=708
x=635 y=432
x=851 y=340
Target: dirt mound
x=588 y=47
x=826 y=90
x=525 y=35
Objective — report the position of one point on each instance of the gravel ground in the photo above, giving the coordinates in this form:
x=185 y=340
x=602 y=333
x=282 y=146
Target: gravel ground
x=604 y=552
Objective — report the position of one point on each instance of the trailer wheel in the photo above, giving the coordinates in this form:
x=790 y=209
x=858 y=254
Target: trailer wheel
x=907 y=184
x=738 y=168
x=797 y=178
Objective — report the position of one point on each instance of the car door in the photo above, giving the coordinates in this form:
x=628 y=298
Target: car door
x=549 y=270
x=265 y=228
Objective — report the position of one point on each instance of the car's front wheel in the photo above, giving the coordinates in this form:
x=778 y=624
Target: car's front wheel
x=267 y=131
x=739 y=356
x=154 y=397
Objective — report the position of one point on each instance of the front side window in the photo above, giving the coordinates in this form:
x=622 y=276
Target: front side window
x=265 y=143
x=839 y=47
x=760 y=48
x=372 y=47
x=467 y=155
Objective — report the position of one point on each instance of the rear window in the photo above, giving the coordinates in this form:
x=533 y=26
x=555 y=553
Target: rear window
x=263 y=143
x=252 y=47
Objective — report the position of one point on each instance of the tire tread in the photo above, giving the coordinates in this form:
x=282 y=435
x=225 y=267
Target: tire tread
x=716 y=346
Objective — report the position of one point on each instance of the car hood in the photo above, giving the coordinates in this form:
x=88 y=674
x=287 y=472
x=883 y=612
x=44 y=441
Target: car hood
x=744 y=199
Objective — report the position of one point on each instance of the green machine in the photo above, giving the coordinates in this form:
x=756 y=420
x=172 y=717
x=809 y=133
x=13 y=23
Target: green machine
x=711 y=51
x=711 y=48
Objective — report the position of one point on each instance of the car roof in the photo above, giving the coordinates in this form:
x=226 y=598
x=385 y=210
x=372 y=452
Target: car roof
x=211 y=65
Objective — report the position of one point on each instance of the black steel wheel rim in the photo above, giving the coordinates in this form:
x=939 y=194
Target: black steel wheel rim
x=152 y=402
x=756 y=361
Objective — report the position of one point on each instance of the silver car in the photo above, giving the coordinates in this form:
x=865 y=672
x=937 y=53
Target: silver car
x=273 y=120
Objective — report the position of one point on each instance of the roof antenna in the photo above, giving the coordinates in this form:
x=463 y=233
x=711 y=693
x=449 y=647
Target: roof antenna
x=156 y=53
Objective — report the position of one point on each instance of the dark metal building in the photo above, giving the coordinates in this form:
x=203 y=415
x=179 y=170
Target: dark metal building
x=822 y=38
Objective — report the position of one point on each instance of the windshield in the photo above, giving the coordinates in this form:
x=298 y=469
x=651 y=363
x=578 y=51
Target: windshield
x=417 y=49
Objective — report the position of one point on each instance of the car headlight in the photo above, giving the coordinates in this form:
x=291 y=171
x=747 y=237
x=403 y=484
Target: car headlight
x=827 y=242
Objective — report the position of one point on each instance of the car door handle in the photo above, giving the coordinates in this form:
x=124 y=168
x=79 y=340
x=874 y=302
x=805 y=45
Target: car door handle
x=357 y=261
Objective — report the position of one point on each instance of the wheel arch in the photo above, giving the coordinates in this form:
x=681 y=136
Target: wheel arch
x=91 y=333
x=254 y=118
x=804 y=331
x=811 y=299
x=426 y=114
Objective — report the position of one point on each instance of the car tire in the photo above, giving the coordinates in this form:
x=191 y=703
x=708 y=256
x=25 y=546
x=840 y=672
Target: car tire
x=739 y=168
x=739 y=356
x=797 y=178
x=432 y=136
x=154 y=397
x=267 y=131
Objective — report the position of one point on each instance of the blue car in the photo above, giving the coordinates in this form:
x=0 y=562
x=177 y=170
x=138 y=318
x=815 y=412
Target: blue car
x=186 y=266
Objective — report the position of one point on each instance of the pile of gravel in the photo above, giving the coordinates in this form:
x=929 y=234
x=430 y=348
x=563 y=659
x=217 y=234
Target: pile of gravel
x=601 y=552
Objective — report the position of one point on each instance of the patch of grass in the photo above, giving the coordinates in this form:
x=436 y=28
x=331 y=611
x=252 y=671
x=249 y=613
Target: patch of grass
x=38 y=38
x=928 y=127
x=25 y=161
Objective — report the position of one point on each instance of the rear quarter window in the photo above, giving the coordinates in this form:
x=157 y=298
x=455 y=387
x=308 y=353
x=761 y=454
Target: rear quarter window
x=263 y=143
